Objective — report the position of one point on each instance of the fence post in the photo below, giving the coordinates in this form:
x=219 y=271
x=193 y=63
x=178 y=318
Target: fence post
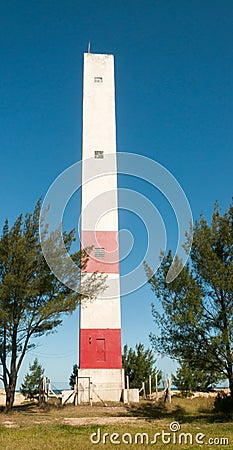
x=150 y=387
x=168 y=390
x=144 y=389
x=44 y=390
x=90 y=390
x=156 y=387
x=76 y=392
x=127 y=387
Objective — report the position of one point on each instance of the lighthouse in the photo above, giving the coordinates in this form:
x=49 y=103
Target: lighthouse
x=100 y=359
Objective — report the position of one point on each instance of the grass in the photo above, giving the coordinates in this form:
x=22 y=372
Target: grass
x=32 y=428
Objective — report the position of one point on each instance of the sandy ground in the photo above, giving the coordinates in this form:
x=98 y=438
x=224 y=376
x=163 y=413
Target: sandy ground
x=19 y=398
x=98 y=420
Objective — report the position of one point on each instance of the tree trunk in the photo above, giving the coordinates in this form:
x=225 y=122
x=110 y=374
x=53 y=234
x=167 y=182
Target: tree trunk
x=10 y=397
x=230 y=378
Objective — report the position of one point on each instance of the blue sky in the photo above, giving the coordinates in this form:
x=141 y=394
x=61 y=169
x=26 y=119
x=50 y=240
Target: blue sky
x=174 y=104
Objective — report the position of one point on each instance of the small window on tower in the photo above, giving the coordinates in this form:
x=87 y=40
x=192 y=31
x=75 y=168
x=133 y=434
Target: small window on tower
x=99 y=154
x=98 y=79
x=99 y=252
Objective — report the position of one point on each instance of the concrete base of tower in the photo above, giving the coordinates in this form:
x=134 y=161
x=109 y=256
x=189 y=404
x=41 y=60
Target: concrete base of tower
x=100 y=385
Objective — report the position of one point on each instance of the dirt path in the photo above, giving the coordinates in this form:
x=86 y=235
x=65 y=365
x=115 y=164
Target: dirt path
x=79 y=421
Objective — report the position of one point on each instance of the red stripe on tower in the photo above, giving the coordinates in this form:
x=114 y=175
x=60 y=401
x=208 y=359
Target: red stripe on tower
x=100 y=348
x=103 y=253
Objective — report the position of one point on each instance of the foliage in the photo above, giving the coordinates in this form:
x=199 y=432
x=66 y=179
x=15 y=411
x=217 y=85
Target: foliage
x=31 y=386
x=73 y=376
x=191 y=379
x=138 y=365
x=224 y=405
x=196 y=324
x=32 y=299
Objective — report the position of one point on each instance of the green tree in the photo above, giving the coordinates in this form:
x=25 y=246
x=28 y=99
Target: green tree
x=138 y=365
x=73 y=376
x=191 y=379
x=32 y=300
x=196 y=322
x=31 y=386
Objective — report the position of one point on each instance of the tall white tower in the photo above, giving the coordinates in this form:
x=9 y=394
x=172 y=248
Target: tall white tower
x=100 y=322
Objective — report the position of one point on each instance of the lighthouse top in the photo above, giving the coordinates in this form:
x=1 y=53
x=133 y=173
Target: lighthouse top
x=99 y=123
